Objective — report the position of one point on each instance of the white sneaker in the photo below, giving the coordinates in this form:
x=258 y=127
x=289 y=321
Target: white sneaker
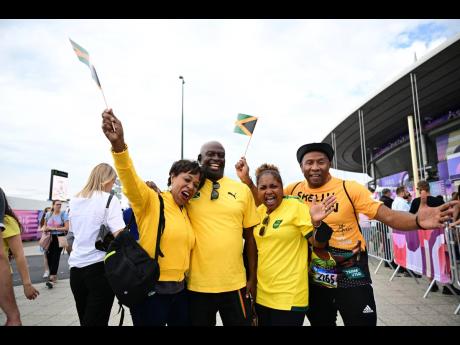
x=46 y=274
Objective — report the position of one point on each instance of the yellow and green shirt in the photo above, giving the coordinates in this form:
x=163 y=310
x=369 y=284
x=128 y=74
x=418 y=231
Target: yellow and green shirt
x=178 y=238
x=282 y=267
x=217 y=260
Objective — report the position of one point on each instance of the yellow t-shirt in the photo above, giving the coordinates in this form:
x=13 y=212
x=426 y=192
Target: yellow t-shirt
x=217 y=261
x=342 y=220
x=11 y=229
x=282 y=267
x=178 y=237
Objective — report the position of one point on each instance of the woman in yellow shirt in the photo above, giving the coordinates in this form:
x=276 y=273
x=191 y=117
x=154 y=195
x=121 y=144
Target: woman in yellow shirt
x=281 y=237
x=12 y=241
x=169 y=305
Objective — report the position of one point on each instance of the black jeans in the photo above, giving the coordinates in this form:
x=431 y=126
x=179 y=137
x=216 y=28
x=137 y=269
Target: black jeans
x=355 y=304
x=275 y=317
x=161 y=310
x=54 y=255
x=92 y=293
x=234 y=308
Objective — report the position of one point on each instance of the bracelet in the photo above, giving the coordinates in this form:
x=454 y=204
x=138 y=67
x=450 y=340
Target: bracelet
x=418 y=224
x=320 y=223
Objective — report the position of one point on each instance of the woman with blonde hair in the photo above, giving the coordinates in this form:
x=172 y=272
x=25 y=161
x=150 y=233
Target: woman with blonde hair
x=93 y=206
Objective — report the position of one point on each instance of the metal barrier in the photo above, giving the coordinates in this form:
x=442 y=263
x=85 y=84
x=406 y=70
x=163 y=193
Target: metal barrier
x=453 y=246
x=378 y=241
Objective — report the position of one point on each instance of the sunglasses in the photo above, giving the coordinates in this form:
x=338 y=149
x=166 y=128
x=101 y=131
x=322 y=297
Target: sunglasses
x=57 y=204
x=264 y=223
x=214 y=192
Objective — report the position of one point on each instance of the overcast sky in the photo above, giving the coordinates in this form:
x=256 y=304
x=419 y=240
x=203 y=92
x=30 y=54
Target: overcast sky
x=300 y=77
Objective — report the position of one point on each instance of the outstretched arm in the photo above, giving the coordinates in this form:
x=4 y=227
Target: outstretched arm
x=426 y=218
x=242 y=170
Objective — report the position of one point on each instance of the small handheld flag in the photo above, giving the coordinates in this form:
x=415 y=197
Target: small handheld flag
x=245 y=124
x=83 y=56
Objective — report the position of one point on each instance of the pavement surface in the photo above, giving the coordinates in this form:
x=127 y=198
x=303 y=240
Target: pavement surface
x=399 y=303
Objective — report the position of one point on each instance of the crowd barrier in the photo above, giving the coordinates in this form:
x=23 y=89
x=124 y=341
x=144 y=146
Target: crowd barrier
x=431 y=253
x=378 y=241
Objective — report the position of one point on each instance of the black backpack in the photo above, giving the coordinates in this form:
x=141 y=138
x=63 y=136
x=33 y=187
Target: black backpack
x=130 y=271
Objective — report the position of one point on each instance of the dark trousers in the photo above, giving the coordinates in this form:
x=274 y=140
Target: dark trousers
x=92 y=293
x=356 y=306
x=161 y=310
x=234 y=308
x=275 y=317
x=54 y=255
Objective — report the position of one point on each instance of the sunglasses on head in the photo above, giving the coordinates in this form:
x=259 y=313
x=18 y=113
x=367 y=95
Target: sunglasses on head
x=264 y=223
x=214 y=192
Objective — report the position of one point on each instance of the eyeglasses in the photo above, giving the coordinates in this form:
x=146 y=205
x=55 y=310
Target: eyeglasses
x=264 y=223
x=215 y=193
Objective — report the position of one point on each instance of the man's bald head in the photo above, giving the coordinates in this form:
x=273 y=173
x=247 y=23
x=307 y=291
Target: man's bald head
x=212 y=158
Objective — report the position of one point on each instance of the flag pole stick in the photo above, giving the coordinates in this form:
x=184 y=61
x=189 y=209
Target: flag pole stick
x=107 y=107
x=247 y=146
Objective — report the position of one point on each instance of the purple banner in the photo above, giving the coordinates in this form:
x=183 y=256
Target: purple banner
x=424 y=252
x=29 y=221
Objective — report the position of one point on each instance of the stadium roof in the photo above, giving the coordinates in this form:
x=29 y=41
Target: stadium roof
x=385 y=114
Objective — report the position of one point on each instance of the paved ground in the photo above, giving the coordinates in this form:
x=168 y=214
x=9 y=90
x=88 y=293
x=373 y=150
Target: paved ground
x=399 y=303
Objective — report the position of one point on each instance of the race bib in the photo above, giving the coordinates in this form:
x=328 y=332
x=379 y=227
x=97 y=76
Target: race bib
x=324 y=277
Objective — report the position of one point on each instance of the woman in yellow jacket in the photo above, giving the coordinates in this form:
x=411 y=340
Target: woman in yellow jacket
x=169 y=305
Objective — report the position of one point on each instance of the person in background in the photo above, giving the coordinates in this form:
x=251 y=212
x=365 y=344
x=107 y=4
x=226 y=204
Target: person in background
x=57 y=223
x=7 y=299
x=12 y=241
x=130 y=219
x=90 y=288
x=432 y=201
x=386 y=197
x=41 y=224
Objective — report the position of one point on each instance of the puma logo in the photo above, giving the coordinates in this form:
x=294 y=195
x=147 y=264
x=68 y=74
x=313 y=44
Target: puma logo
x=233 y=195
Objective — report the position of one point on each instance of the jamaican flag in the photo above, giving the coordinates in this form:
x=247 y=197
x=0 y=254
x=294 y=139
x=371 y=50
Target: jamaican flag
x=83 y=56
x=245 y=124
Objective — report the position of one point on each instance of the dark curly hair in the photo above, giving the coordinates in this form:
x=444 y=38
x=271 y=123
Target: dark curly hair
x=268 y=169
x=186 y=166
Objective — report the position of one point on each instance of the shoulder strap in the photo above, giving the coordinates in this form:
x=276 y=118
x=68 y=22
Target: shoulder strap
x=351 y=202
x=161 y=226
x=293 y=189
x=106 y=211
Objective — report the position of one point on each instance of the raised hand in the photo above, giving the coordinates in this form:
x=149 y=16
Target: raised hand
x=319 y=211
x=434 y=217
x=242 y=170
x=113 y=130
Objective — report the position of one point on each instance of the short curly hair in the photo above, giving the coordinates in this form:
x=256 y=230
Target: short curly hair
x=184 y=166
x=268 y=169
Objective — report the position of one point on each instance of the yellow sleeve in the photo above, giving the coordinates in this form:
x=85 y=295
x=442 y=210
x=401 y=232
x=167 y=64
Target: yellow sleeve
x=303 y=219
x=362 y=199
x=135 y=189
x=11 y=227
x=250 y=216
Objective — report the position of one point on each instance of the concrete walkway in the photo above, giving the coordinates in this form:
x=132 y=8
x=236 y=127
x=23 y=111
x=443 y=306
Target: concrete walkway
x=399 y=303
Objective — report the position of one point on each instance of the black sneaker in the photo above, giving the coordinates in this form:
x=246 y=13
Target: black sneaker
x=434 y=288
x=49 y=284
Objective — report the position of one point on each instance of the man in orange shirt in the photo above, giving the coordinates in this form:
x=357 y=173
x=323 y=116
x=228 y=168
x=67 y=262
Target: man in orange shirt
x=340 y=278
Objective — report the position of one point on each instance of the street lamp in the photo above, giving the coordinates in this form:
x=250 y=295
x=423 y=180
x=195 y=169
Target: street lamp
x=182 y=127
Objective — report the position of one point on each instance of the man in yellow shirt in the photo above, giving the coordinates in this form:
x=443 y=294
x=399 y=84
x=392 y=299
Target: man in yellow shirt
x=340 y=279
x=221 y=213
